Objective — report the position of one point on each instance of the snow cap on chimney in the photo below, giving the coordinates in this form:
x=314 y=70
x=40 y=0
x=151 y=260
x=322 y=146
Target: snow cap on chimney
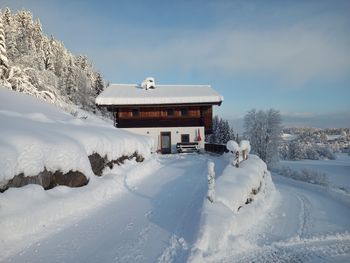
x=148 y=83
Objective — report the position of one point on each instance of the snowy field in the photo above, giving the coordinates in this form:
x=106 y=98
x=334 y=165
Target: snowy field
x=336 y=171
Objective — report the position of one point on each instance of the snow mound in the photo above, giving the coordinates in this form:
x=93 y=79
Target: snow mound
x=243 y=195
x=232 y=146
x=245 y=146
x=35 y=135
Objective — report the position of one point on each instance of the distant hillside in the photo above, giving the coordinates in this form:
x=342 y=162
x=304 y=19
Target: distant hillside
x=36 y=64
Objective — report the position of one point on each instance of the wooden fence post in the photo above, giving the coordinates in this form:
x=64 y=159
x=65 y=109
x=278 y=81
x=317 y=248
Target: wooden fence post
x=211 y=181
x=237 y=159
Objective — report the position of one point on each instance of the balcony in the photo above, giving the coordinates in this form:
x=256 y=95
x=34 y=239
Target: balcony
x=159 y=122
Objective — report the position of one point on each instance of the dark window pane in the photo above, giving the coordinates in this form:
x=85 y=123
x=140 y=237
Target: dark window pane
x=135 y=112
x=185 y=138
x=170 y=112
x=184 y=112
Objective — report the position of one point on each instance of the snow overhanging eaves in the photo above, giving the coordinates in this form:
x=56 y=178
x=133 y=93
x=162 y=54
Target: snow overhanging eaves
x=132 y=94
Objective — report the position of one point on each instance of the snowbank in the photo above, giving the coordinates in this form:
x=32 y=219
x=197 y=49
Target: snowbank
x=243 y=195
x=35 y=135
x=29 y=213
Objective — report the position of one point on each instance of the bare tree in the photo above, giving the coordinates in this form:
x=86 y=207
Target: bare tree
x=263 y=129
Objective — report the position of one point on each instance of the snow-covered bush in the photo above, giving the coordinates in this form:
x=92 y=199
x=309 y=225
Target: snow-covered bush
x=298 y=150
x=325 y=152
x=234 y=149
x=305 y=175
x=245 y=146
x=232 y=146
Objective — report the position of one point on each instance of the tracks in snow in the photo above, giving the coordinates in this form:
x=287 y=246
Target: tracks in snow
x=301 y=236
x=319 y=249
x=305 y=222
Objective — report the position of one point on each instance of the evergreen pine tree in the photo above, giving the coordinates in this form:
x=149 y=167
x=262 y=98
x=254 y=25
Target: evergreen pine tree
x=70 y=83
x=219 y=131
x=47 y=54
x=4 y=66
x=99 y=85
x=10 y=28
x=214 y=136
x=232 y=134
x=33 y=63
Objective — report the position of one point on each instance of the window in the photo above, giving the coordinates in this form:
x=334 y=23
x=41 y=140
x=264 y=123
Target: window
x=184 y=112
x=135 y=112
x=185 y=138
x=170 y=112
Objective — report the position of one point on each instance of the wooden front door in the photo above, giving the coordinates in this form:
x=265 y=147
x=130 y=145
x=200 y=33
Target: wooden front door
x=165 y=139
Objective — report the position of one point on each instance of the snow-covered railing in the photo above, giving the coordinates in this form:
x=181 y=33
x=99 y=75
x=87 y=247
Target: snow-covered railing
x=215 y=148
x=239 y=152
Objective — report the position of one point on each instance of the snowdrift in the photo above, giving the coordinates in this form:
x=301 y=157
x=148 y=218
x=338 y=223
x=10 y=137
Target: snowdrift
x=242 y=196
x=36 y=136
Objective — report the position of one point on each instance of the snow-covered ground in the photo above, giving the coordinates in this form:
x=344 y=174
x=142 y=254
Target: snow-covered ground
x=138 y=219
x=336 y=171
x=157 y=211
x=306 y=224
x=152 y=213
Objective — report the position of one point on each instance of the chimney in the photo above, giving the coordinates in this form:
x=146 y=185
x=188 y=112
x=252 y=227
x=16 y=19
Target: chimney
x=148 y=83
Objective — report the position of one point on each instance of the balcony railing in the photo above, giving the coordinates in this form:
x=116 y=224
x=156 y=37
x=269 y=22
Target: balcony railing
x=159 y=122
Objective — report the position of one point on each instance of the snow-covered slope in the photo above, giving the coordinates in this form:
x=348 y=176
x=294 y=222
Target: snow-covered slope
x=35 y=135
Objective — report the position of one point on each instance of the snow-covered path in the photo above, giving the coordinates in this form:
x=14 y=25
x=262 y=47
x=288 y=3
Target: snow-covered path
x=155 y=221
x=307 y=224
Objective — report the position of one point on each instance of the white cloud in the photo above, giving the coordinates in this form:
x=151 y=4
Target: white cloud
x=294 y=55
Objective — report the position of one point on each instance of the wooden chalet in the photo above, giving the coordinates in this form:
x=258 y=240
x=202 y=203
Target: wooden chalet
x=177 y=116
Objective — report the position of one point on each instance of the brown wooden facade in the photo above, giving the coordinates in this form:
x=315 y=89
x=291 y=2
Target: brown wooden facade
x=163 y=116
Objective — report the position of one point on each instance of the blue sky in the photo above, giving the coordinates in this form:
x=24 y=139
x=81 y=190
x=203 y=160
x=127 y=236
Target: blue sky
x=293 y=56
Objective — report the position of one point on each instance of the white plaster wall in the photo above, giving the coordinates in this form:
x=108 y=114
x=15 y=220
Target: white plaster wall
x=175 y=135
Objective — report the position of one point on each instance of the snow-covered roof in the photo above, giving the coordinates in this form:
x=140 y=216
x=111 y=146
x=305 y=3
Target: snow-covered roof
x=133 y=94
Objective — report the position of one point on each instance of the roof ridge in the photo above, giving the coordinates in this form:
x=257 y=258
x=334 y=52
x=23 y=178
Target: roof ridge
x=162 y=85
